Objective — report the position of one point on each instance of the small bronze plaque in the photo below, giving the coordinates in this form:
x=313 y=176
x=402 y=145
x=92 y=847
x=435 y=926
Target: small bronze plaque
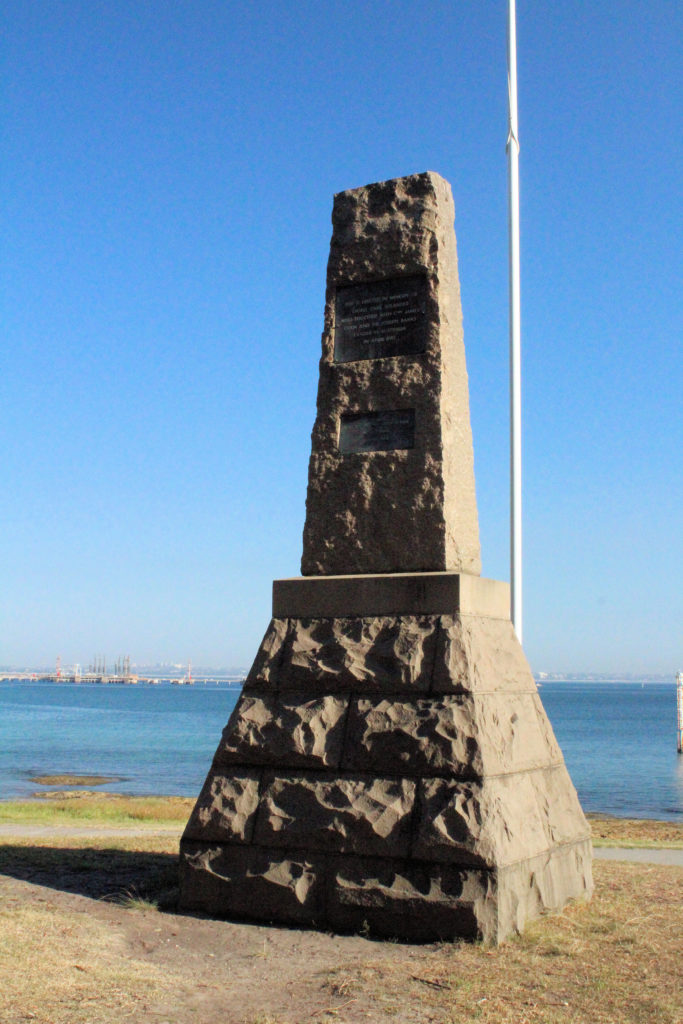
x=383 y=318
x=377 y=431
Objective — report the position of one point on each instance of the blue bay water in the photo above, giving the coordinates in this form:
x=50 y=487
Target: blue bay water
x=156 y=739
x=618 y=739
x=619 y=744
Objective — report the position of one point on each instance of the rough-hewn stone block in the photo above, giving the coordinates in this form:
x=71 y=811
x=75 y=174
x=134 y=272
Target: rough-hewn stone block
x=263 y=885
x=266 y=663
x=226 y=808
x=421 y=903
x=479 y=654
x=344 y=815
x=500 y=821
x=429 y=735
x=387 y=653
x=292 y=732
x=411 y=509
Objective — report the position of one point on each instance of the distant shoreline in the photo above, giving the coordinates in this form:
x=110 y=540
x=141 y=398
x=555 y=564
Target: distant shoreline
x=31 y=676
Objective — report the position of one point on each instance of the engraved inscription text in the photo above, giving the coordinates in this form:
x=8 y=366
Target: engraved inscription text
x=379 y=319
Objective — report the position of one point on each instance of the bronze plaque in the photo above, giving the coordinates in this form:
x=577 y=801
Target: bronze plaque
x=377 y=431
x=383 y=318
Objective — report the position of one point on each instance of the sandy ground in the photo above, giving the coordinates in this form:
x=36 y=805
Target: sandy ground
x=230 y=972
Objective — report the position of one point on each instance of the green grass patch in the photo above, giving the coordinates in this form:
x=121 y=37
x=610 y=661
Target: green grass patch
x=98 y=809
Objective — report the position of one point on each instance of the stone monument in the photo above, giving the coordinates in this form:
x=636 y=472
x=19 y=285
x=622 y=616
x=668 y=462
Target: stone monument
x=389 y=764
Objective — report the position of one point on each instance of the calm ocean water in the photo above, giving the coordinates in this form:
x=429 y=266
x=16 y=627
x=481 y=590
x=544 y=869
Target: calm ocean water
x=618 y=739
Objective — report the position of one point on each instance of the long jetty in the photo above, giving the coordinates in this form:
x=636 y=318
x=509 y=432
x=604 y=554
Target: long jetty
x=118 y=680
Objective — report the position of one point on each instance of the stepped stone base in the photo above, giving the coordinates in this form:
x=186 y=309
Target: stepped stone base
x=391 y=771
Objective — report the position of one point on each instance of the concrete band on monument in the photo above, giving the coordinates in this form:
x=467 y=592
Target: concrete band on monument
x=425 y=593
x=389 y=764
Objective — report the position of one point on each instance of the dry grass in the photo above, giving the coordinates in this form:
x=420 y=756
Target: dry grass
x=616 y=960
x=64 y=968
x=111 y=956
x=138 y=842
x=613 y=961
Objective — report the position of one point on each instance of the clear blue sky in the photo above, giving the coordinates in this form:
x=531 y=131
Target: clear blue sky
x=167 y=178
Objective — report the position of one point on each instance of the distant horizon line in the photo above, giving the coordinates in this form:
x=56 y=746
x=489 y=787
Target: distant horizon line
x=169 y=668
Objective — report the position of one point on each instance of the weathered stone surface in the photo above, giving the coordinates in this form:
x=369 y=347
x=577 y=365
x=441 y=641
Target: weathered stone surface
x=226 y=808
x=398 y=510
x=510 y=733
x=292 y=732
x=358 y=815
x=388 y=653
x=263 y=885
x=451 y=818
x=267 y=661
x=546 y=729
x=499 y=821
x=479 y=654
x=559 y=807
x=467 y=736
x=541 y=885
x=421 y=903
x=429 y=735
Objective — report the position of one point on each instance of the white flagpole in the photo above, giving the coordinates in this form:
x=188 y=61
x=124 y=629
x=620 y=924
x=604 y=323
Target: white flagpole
x=515 y=344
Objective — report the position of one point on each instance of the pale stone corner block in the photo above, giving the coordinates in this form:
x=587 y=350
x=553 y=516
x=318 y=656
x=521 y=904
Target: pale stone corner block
x=543 y=884
x=497 y=822
x=266 y=663
x=510 y=737
x=479 y=654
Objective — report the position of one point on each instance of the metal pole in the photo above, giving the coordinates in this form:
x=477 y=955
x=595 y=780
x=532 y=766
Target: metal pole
x=515 y=345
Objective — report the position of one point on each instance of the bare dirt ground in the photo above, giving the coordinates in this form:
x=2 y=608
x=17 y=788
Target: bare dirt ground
x=78 y=945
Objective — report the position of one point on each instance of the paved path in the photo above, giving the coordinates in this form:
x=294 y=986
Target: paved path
x=85 y=831
x=640 y=855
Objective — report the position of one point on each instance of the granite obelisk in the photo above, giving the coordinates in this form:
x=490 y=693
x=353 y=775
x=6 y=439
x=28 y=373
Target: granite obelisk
x=389 y=764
